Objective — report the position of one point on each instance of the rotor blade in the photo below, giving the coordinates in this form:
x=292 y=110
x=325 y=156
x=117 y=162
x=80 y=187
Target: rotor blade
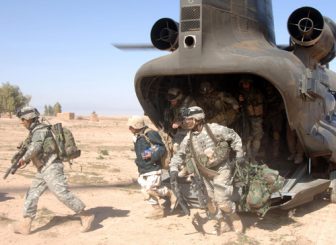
x=133 y=46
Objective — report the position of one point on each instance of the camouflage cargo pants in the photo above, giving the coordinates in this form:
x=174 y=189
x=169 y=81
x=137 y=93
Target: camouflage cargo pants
x=51 y=177
x=220 y=190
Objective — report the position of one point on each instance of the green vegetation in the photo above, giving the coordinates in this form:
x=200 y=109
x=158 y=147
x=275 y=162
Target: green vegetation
x=12 y=99
x=104 y=152
x=52 y=110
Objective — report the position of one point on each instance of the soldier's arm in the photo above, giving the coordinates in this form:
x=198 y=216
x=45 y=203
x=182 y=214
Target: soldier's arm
x=35 y=145
x=179 y=157
x=229 y=99
x=236 y=143
x=156 y=140
x=234 y=139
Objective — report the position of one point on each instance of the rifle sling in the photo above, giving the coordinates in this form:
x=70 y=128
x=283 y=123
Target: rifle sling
x=206 y=172
x=210 y=133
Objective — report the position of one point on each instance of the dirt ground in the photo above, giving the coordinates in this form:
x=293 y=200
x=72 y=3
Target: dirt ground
x=104 y=177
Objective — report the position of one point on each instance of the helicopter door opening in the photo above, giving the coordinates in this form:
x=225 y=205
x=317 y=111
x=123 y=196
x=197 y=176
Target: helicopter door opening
x=220 y=97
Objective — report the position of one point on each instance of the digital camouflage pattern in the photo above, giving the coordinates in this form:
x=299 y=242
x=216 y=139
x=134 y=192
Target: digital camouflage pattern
x=220 y=188
x=42 y=151
x=257 y=182
x=53 y=178
x=219 y=107
x=253 y=107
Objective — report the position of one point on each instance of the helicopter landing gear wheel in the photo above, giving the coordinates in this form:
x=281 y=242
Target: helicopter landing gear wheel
x=333 y=186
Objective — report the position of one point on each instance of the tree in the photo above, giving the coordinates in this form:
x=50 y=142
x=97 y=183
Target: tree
x=57 y=108
x=11 y=98
x=51 y=110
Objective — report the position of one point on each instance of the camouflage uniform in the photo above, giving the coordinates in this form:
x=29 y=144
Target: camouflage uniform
x=219 y=107
x=220 y=187
x=274 y=118
x=172 y=115
x=43 y=154
x=252 y=105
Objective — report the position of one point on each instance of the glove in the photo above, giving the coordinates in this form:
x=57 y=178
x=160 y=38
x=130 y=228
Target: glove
x=22 y=163
x=173 y=176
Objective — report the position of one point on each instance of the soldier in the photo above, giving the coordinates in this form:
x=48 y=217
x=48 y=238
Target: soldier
x=42 y=151
x=220 y=107
x=274 y=118
x=149 y=150
x=173 y=118
x=251 y=102
x=209 y=146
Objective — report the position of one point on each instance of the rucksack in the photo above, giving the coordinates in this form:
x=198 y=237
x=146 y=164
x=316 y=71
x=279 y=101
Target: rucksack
x=65 y=142
x=257 y=182
x=168 y=143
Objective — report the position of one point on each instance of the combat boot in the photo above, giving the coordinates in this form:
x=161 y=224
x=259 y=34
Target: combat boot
x=236 y=222
x=86 y=220
x=220 y=227
x=156 y=212
x=23 y=227
x=172 y=199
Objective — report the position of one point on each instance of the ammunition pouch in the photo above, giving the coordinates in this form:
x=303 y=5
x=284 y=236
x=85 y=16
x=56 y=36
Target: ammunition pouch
x=255 y=110
x=220 y=155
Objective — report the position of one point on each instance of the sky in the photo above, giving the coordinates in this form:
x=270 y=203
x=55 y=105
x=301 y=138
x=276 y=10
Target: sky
x=60 y=50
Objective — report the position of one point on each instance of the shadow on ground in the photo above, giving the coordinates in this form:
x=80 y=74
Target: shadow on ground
x=276 y=218
x=101 y=213
x=4 y=197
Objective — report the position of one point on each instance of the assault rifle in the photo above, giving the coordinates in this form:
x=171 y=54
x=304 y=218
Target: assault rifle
x=17 y=156
x=179 y=197
x=199 y=187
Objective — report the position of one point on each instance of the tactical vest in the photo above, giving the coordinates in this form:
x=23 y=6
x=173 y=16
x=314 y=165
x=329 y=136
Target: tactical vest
x=254 y=104
x=49 y=146
x=214 y=155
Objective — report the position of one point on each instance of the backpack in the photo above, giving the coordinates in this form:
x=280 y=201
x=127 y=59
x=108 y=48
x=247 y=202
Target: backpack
x=257 y=182
x=168 y=143
x=65 y=142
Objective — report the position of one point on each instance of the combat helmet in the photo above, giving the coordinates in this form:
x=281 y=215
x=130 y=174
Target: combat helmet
x=136 y=122
x=246 y=78
x=206 y=87
x=28 y=113
x=195 y=112
x=174 y=94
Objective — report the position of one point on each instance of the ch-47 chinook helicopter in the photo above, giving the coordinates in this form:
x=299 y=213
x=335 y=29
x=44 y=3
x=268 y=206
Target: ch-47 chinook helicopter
x=223 y=40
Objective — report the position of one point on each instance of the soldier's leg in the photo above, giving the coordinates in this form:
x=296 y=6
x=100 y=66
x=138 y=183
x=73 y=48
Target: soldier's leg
x=257 y=133
x=36 y=189
x=223 y=191
x=56 y=181
x=277 y=125
x=57 y=184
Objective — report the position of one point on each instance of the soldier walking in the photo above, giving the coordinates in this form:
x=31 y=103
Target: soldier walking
x=274 y=119
x=251 y=102
x=210 y=146
x=42 y=151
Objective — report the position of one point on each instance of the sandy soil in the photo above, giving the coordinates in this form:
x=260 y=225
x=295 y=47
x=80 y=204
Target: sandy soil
x=104 y=178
